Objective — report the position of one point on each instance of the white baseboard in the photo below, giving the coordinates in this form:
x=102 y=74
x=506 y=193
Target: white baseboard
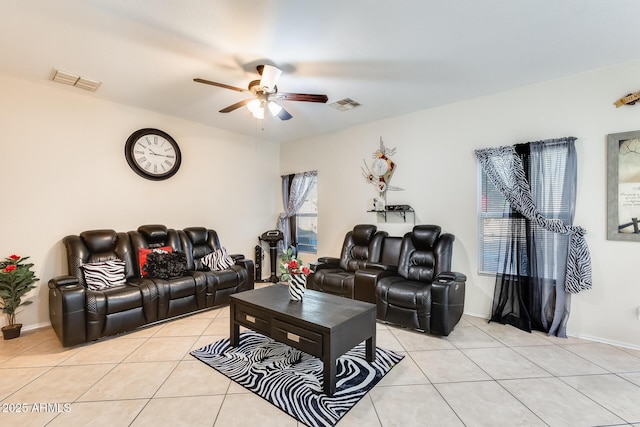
x=481 y=316
x=576 y=335
x=604 y=341
x=36 y=326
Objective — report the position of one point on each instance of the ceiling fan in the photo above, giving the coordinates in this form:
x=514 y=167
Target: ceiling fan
x=264 y=92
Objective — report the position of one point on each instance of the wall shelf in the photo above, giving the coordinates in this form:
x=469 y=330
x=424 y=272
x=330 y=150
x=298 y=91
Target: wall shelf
x=400 y=211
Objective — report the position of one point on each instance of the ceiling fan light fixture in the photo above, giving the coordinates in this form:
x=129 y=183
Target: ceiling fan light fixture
x=254 y=106
x=270 y=76
x=262 y=90
x=274 y=108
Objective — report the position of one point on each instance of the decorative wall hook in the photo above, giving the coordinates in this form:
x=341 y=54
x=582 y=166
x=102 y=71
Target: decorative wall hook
x=628 y=100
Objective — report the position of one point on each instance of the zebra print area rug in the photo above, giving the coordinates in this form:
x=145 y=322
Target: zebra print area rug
x=292 y=380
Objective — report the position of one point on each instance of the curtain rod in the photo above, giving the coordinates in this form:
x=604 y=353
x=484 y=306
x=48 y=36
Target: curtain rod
x=550 y=141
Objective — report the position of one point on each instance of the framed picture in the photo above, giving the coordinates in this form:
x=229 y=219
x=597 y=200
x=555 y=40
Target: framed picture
x=623 y=186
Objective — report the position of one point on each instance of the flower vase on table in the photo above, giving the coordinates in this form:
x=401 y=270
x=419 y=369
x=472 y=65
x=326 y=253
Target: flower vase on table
x=294 y=274
x=297 y=285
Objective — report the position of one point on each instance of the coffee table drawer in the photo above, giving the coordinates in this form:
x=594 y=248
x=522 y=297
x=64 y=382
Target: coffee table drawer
x=252 y=319
x=297 y=337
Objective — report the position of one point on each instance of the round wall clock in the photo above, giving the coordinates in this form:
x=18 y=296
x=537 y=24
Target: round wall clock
x=153 y=154
x=380 y=166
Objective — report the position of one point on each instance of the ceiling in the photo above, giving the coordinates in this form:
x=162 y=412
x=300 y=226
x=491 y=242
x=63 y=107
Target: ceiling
x=393 y=57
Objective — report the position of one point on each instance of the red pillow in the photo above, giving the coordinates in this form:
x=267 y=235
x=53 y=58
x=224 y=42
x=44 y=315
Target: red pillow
x=142 y=256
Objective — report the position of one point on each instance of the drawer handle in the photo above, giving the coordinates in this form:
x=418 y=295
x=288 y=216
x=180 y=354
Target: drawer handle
x=250 y=318
x=293 y=337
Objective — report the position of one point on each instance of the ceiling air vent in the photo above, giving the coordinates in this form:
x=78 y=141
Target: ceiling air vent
x=345 y=104
x=73 y=80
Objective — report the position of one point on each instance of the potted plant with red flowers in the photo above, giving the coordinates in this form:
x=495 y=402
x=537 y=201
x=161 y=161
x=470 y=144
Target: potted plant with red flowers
x=16 y=279
x=295 y=274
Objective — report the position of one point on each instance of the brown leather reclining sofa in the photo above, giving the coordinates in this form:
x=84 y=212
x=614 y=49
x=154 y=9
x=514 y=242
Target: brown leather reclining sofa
x=132 y=298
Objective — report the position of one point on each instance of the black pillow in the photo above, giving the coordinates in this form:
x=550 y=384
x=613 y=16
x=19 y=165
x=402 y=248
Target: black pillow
x=166 y=265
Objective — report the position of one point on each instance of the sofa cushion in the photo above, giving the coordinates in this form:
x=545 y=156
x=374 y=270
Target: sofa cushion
x=123 y=298
x=218 y=260
x=144 y=252
x=335 y=281
x=165 y=265
x=182 y=287
x=104 y=274
x=227 y=278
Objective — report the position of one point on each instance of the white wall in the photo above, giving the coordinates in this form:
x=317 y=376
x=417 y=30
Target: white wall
x=63 y=171
x=437 y=168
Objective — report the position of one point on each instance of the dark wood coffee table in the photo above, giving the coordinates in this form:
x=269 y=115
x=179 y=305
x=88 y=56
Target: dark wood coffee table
x=323 y=325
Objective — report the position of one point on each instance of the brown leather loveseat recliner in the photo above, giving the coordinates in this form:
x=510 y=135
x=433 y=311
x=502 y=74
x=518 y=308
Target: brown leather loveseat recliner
x=409 y=278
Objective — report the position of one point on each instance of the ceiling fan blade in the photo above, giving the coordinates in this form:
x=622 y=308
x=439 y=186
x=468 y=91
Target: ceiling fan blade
x=284 y=115
x=222 y=85
x=270 y=76
x=306 y=97
x=235 y=106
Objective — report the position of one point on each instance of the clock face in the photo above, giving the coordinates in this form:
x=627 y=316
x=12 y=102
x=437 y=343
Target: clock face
x=153 y=154
x=380 y=167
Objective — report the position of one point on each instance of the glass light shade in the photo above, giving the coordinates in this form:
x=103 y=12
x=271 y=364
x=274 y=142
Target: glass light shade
x=270 y=76
x=254 y=106
x=258 y=114
x=274 y=108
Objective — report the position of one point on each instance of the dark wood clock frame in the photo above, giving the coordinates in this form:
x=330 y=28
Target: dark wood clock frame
x=135 y=164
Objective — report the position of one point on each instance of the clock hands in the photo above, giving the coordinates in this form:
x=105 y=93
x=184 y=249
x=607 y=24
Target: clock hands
x=156 y=143
x=161 y=155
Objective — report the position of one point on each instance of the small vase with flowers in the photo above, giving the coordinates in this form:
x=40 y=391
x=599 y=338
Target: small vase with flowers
x=292 y=272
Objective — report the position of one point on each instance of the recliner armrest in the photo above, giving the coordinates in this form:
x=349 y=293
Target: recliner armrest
x=447 y=301
x=448 y=288
x=246 y=263
x=379 y=266
x=59 y=281
x=236 y=257
x=329 y=260
x=365 y=282
x=249 y=266
x=324 y=262
x=450 y=276
x=67 y=310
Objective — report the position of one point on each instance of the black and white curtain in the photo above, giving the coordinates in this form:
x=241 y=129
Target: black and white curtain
x=544 y=258
x=295 y=189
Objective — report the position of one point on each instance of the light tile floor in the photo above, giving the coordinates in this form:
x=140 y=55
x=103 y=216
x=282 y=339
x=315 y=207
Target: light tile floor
x=483 y=374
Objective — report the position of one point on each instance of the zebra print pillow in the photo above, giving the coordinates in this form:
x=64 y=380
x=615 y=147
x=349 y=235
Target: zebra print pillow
x=103 y=275
x=218 y=260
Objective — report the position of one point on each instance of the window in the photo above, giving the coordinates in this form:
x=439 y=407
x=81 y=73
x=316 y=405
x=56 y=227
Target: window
x=494 y=224
x=500 y=226
x=307 y=221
